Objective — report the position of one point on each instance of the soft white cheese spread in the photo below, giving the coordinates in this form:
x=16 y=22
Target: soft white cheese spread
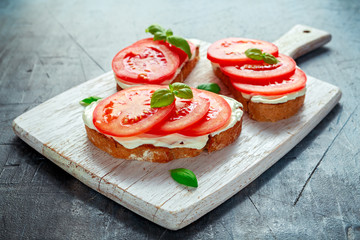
x=275 y=99
x=174 y=140
x=123 y=84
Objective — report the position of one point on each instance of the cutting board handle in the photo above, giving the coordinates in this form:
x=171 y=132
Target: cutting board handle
x=302 y=39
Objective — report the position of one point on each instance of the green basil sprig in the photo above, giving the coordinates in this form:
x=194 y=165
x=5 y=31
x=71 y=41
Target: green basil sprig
x=184 y=176
x=257 y=54
x=164 y=97
x=167 y=35
x=161 y=98
x=211 y=87
x=86 y=101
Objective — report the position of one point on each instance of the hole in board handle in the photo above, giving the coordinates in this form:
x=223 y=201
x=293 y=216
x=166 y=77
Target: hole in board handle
x=306 y=31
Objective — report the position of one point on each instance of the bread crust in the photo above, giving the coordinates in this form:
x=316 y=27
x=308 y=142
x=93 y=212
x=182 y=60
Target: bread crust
x=184 y=73
x=150 y=153
x=225 y=138
x=263 y=112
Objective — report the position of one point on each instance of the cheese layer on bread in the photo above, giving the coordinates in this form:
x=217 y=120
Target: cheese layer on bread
x=275 y=99
x=174 y=140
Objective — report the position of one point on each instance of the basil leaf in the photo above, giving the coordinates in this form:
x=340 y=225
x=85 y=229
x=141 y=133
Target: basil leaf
x=211 y=87
x=181 y=90
x=270 y=59
x=164 y=97
x=161 y=98
x=253 y=50
x=159 y=37
x=167 y=35
x=86 y=101
x=257 y=54
x=254 y=54
x=184 y=176
x=153 y=29
x=169 y=32
x=181 y=43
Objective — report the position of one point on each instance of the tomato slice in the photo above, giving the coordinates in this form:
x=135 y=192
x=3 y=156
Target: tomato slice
x=146 y=61
x=128 y=112
x=261 y=72
x=231 y=51
x=186 y=113
x=217 y=116
x=288 y=85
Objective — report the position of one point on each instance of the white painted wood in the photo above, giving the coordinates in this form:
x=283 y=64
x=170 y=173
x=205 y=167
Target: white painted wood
x=56 y=130
x=302 y=39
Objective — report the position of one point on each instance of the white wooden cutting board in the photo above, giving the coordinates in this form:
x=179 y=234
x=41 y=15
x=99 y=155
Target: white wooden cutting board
x=55 y=129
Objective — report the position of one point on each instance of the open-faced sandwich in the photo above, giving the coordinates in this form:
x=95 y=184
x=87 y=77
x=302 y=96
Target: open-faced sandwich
x=268 y=84
x=159 y=123
x=164 y=59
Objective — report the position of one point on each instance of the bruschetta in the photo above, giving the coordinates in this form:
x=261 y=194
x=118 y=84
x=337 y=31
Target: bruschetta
x=126 y=126
x=268 y=84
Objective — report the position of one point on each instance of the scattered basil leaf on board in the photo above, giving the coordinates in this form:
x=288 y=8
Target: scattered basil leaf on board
x=184 y=176
x=161 y=33
x=164 y=97
x=257 y=54
x=161 y=98
x=211 y=87
x=181 y=90
x=86 y=101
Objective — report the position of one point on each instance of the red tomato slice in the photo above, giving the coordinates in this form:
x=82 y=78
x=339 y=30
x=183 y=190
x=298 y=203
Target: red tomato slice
x=146 y=61
x=186 y=113
x=128 y=112
x=218 y=115
x=182 y=55
x=261 y=72
x=291 y=84
x=231 y=51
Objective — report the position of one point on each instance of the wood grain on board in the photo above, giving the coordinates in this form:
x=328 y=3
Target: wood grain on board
x=147 y=188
